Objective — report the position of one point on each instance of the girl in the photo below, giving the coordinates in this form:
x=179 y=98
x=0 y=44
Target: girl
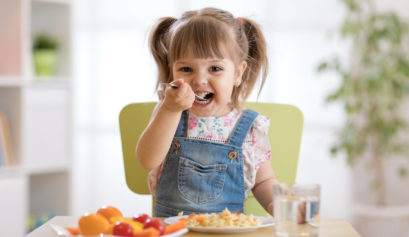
x=207 y=154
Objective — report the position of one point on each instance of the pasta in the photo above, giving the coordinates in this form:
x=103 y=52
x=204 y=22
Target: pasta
x=222 y=219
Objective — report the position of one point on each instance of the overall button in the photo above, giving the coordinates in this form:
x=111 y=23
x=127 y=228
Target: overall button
x=176 y=145
x=232 y=155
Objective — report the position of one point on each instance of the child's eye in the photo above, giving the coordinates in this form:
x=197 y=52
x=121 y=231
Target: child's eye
x=215 y=68
x=185 y=69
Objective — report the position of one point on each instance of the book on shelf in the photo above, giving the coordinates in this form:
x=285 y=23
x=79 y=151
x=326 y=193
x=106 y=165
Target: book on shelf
x=5 y=142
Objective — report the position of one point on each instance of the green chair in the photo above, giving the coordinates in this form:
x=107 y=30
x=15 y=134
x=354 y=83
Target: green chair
x=286 y=124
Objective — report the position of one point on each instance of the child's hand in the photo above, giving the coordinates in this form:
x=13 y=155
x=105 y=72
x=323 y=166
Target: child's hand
x=270 y=209
x=301 y=212
x=179 y=99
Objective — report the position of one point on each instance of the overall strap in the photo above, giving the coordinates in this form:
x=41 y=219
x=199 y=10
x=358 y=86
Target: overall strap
x=182 y=127
x=242 y=128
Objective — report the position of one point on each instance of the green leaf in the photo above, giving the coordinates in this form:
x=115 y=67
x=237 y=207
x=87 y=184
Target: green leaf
x=45 y=41
x=322 y=66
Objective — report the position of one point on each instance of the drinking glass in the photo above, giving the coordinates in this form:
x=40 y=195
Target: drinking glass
x=296 y=209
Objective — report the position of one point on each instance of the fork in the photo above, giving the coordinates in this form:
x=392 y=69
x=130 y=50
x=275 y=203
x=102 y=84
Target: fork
x=176 y=86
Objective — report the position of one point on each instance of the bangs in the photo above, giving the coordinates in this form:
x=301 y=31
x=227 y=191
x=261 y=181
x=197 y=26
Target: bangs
x=201 y=37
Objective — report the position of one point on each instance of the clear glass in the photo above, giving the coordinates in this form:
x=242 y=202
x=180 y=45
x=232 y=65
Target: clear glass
x=296 y=209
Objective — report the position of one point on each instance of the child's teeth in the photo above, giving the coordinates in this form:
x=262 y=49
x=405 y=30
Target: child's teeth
x=202 y=94
x=202 y=102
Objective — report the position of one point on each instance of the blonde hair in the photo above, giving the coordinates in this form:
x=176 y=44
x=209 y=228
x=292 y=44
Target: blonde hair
x=211 y=32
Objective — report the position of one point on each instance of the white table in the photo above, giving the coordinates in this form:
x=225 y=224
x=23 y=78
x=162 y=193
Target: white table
x=328 y=228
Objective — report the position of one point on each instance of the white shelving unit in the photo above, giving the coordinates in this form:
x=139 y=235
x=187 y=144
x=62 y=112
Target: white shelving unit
x=39 y=111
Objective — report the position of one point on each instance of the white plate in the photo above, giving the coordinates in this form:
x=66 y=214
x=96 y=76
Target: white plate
x=265 y=222
x=61 y=231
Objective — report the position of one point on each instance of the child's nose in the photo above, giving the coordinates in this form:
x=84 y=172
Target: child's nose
x=200 y=78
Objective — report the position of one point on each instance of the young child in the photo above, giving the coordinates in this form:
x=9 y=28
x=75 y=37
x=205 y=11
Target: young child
x=206 y=155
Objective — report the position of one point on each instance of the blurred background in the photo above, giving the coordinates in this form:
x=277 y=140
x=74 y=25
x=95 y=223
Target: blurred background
x=61 y=152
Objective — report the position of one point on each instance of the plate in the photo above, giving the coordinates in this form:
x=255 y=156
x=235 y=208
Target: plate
x=266 y=221
x=61 y=231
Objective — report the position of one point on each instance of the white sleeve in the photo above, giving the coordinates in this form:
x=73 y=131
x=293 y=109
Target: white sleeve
x=256 y=150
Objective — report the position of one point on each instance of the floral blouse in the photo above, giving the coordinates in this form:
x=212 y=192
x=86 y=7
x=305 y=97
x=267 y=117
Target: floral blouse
x=256 y=147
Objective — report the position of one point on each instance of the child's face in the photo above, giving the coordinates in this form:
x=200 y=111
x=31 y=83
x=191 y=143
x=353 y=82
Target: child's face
x=211 y=78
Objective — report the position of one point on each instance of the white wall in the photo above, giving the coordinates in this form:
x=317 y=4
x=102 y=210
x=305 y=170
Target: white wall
x=113 y=67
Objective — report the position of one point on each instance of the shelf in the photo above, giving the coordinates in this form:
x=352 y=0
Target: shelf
x=39 y=112
x=49 y=82
x=13 y=170
x=47 y=169
x=42 y=82
x=64 y=2
x=10 y=170
x=11 y=81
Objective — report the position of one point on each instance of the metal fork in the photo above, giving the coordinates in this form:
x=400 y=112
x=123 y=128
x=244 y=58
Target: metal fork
x=176 y=86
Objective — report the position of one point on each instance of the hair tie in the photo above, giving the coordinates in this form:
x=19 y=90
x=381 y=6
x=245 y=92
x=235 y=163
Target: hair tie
x=239 y=21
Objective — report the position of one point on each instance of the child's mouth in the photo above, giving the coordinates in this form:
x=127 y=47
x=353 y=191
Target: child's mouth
x=207 y=96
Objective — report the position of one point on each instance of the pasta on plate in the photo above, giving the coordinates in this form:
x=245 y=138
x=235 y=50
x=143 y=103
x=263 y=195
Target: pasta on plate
x=222 y=219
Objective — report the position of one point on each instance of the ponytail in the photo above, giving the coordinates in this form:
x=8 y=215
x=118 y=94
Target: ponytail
x=159 y=45
x=257 y=60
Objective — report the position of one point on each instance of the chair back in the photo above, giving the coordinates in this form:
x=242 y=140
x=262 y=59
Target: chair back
x=133 y=119
x=284 y=133
x=286 y=124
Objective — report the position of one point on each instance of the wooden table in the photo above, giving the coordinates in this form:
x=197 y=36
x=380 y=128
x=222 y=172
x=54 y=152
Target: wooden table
x=328 y=228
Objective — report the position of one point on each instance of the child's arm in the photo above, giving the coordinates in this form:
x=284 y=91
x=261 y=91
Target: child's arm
x=263 y=188
x=155 y=140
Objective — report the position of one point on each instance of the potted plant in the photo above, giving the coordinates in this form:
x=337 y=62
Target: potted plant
x=373 y=89
x=45 y=49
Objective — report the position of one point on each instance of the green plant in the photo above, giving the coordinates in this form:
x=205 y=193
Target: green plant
x=373 y=87
x=45 y=41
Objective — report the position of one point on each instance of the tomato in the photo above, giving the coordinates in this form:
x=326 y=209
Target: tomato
x=142 y=218
x=123 y=229
x=157 y=224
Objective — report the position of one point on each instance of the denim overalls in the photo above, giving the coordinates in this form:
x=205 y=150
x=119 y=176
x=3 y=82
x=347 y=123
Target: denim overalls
x=203 y=176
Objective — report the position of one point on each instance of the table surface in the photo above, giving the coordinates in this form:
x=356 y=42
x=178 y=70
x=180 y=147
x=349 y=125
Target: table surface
x=328 y=228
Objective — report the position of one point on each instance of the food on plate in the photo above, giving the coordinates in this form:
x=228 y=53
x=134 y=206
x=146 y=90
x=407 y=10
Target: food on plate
x=149 y=232
x=123 y=229
x=222 y=219
x=156 y=224
x=73 y=230
x=93 y=224
x=142 y=218
x=181 y=224
x=109 y=220
x=109 y=211
x=136 y=226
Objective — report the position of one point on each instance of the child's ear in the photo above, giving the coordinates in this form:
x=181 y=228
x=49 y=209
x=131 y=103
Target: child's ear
x=239 y=72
